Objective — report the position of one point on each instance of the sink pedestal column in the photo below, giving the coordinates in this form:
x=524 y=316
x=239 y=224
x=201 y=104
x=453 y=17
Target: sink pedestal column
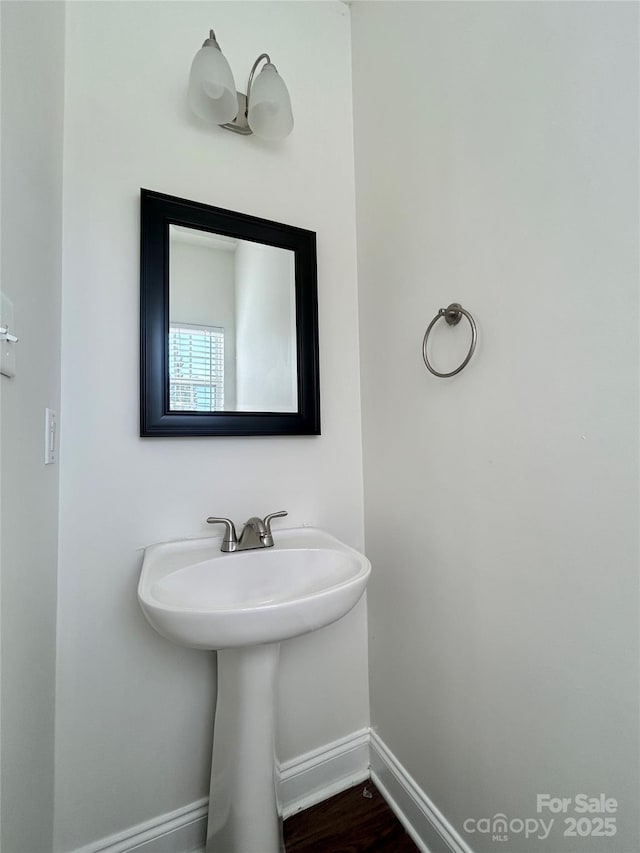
x=243 y=803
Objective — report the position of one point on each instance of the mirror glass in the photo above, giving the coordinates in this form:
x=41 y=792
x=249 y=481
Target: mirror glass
x=232 y=324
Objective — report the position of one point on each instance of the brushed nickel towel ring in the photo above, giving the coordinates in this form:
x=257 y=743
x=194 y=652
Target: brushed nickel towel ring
x=452 y=314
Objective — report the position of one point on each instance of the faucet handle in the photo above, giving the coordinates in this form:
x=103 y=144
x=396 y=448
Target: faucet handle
x=230 y=541
x=267 y=524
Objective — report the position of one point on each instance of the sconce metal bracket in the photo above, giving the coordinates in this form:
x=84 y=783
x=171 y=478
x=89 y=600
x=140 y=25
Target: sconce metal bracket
x=239 y=124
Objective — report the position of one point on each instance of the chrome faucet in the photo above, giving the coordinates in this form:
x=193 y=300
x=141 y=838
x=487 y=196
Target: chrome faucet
x=255 y=534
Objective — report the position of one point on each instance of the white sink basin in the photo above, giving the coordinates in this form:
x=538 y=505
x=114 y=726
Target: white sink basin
x=197 y=596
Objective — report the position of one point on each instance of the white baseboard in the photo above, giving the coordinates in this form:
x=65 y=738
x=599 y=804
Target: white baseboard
x=427 y=826
x=318 y=775
x=305 y=781
x=180 y=831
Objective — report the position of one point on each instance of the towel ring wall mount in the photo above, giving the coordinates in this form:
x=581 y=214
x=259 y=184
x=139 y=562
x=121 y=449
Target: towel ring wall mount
x=452 y=314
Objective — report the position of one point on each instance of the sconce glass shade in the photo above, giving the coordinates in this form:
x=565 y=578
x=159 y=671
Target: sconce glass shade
x=212 y=89
x=269 y=113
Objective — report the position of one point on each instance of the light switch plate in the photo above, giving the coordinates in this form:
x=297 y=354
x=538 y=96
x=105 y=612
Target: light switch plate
x=7 y=348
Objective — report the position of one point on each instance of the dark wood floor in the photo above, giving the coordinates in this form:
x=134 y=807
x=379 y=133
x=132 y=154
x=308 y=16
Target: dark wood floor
x=348 y=823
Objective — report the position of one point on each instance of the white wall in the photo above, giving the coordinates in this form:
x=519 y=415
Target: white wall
x=134 y=712
x=266 y=328
x=32 y=102
x=502 y=505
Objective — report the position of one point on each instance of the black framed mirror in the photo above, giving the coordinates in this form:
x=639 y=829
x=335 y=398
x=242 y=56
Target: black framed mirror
x=228 y=323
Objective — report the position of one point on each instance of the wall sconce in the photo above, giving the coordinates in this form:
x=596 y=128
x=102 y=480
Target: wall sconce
x=266 y=108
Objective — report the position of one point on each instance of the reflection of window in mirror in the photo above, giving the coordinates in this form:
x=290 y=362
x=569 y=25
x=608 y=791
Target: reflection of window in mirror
x=201 y=297
x=196 y=368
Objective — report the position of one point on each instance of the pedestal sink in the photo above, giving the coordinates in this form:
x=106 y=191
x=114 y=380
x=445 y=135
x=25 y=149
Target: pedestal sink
x=243 y=605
